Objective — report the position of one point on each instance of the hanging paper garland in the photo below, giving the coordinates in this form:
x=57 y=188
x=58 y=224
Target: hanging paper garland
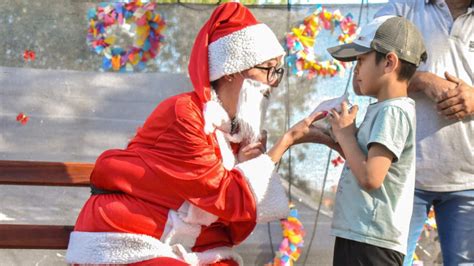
x=430 y=222
x=290 y=247
x=139 y=20
x=301 y=40
x=430 y=225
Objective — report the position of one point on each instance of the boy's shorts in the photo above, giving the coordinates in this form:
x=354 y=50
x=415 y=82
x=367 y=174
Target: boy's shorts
x=349 y=252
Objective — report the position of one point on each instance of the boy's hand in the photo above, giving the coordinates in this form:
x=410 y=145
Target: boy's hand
x=343 y=123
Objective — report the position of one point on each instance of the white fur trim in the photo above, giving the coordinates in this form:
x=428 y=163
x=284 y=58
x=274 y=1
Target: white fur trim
x=228 y=157
x=215 y=117
x=177 y=231
x=119 y=248
x=184 y=226
x=99 y=248
x=242 y=50
x=271 y=198
x=195 y=215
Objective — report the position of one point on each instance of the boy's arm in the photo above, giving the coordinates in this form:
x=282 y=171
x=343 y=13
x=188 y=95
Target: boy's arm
x=379 y=161
x=344 y=129
x=370 y=171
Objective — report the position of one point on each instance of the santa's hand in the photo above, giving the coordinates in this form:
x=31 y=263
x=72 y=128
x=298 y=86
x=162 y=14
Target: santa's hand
x=457 y=103
x=251 y=151
x=315 y=135
x=300 y=132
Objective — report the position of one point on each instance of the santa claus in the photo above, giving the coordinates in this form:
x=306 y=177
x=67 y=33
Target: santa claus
x=196 y=178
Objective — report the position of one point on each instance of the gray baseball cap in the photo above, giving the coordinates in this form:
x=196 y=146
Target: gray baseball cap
x=385 y=34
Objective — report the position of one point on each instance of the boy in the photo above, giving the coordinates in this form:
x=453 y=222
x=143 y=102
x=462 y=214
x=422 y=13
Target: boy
x=375 y=195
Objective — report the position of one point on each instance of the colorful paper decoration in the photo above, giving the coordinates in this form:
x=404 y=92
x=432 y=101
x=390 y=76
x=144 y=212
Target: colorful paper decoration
x=29 y=55
x=302 y=39
x=430 y=225
x=290 y=247
x=22 y=118
x=137 y=19
x=337 y=161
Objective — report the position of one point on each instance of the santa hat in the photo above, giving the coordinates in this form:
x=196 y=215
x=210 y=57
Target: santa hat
x=232 y=40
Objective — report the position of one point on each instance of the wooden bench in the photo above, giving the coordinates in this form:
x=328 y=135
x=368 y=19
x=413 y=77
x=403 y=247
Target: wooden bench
x=30 y=236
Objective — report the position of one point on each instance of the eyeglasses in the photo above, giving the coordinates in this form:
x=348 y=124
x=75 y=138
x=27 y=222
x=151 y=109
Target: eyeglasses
x=274 y=75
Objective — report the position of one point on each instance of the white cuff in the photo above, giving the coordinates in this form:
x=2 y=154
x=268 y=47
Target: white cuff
x=270 y=196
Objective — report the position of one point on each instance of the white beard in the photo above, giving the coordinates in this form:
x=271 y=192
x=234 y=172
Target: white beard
x=251 y=111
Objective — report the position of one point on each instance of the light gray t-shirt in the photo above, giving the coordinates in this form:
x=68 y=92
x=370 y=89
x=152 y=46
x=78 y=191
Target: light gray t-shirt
x=381 y=217
x=445 y=148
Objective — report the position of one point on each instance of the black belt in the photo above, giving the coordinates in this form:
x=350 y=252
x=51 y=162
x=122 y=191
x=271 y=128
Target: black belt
x=99 y=191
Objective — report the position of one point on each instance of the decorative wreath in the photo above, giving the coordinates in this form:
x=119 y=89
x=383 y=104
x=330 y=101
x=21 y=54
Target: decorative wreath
x=300 y=43
x=290 y=247
x=136 y=19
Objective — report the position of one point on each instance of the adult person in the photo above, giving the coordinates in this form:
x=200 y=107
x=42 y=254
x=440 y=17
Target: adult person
x=182 y=192
x=445 y=124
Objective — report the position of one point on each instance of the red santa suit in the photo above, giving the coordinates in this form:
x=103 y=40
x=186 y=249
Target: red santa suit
x=181 y=194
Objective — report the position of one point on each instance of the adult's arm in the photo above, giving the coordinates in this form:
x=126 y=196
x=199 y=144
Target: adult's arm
x=432 y=85
x=453 y=97
x=301 y=132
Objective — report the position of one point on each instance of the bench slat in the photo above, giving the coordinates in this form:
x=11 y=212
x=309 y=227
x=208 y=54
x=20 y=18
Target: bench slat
x=45 y=173
x=22 y=236
x=26 y=236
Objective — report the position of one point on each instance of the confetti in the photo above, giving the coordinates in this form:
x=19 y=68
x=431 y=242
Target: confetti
x=29 y=55
x=302 y=39
x=22 y=118
x=337 y=161
x=135 y=18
